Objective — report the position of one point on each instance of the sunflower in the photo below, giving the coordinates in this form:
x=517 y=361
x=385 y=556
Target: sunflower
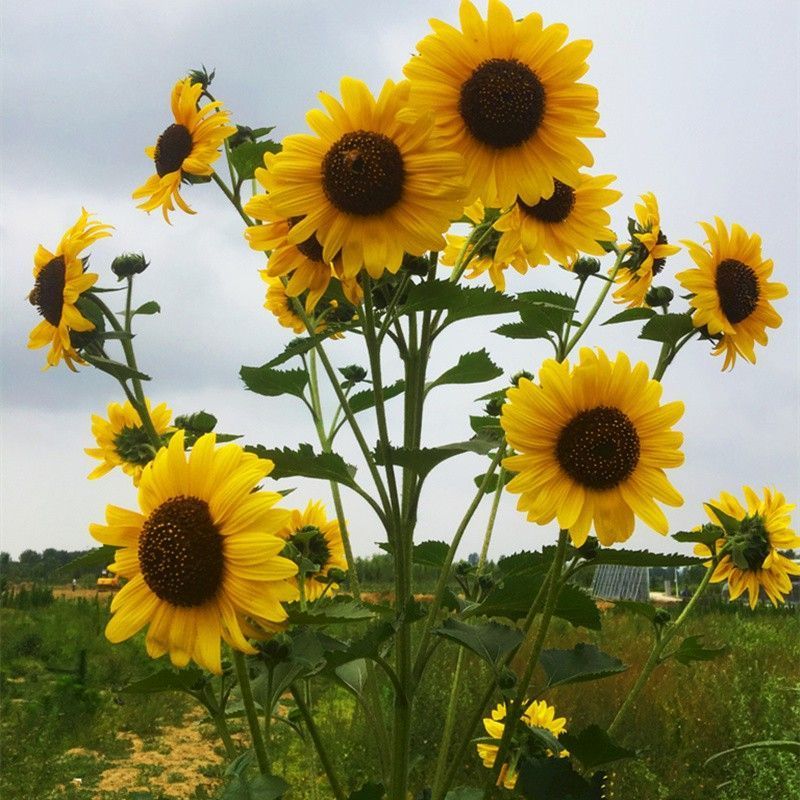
x=187 y=147
x=568 y=222
x=202 y=552
x=592 y=444
x=122 y=440
x=369 y=185
x=505 y=95
x=537 y=715
x=647 y=254
x=319 y=541
x=59 y=281
x=753 y=561
x=280 y=304
x=732 y=291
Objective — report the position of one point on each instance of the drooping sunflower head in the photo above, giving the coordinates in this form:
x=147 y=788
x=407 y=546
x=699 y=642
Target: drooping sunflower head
x=189 y=146
x=122 y=440
x=316 y=540
x=568 y=222
x=645 y=256
x=537 y=714
x=732 y=290
x=592 y=444
x=371 y=184
x=281 y=305
x=60 y=278
x=506 y=95
x=751 y=560
x=202 y=553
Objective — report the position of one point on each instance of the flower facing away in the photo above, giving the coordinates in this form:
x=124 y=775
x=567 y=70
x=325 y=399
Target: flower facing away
x=647 y=254
x=538 y=714
x=59 y=280
x=318 y=540
x=505 y=93
x=732 y=290
x=559 y=227
x=592 y=443
x=122 y=440
x=189 y=146
x=752 y=561
x=368 y=184
x=201 y=553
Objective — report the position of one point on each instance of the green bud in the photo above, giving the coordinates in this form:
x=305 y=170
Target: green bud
x=243 y=134
x=353 y=374
x=486 y=582
x=201 y=76
x=276 y=649
x=506 y=679
x=589 y=549
x=515 y=379
x=586 y=266
x=416 y=265
x=492 y=408
x=662 y=617
x=337 y=575
x=129 y=264
x=658 y=296
x=463 y=568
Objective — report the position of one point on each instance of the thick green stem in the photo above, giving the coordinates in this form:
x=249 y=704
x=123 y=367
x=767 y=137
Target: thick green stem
x=221 y=725
x=235 y=202
x=487 y=538
x=250 y=711
x=313 y=731
x=668 y=355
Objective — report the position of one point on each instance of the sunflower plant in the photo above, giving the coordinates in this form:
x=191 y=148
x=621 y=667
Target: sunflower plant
x=376 y=225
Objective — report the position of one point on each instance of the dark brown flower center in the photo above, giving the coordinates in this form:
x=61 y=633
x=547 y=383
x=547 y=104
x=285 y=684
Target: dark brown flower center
x=599 y=448
x=180 y=552
x=658 y=263
x=555 y=208
x=737 y=289
x=363 y=173
x=502 y=103
x=172 y=147
x=48 y=291
x=310 y=248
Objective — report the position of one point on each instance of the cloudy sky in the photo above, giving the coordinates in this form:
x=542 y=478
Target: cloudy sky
x=698 y=102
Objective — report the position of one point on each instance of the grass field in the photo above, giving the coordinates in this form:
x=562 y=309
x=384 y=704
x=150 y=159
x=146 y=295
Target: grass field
x=63 y=717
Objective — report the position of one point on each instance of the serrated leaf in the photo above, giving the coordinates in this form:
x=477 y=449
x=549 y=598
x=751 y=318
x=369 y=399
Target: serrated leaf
x=730 y=524
x=460 y=302
x=691 y=650
x=199 y=423
x=271 y=382
x=630 y=314
x=302 y=344
x=474 y=367
x=593 y=747
x=422 y=461
x=430 y=554
x=116 y=369
x=667 y=328
x=360 y=401
x=585 y=662
x=523 y=330
x=526 y=561
x=545 y=309
x=248 y=156
x=369 y=645
x=705 y=535
x=556 y=779
x=99 y=558
x=150 y=307
x=344 y=610
x=305 y=463
x=643 y=558
x=490 y=641
x=166 y=680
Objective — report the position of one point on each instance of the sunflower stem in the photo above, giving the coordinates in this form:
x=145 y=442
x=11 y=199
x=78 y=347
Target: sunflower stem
x=250 y=711
x=236 y=203
x=659 y=645
x=665 y=359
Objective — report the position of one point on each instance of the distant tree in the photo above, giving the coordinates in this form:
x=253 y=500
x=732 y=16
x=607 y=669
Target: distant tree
x=472 y=558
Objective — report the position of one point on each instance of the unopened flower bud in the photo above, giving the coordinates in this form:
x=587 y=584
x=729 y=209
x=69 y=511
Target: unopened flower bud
x=492 y=408
x=515 y=379
x=662 y=617
x=586 y=266
x=129 y=264
x=337 y=575
x=589 y=549
x=506 y=679
x=201 y=76
x=416 y=265
x=658 y=296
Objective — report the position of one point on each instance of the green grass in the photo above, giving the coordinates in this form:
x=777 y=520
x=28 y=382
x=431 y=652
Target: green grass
x=51 y=705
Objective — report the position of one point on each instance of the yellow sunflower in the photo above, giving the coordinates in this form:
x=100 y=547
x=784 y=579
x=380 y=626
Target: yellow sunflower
x=561 y=226
x=646 y=255
x=592 y=444
x=732 y=291
x=203 y=552
x=59 y=280
x=486 y=261
x=122 y=440
x=538 y=714
x=506 y=95
x=369 y=185
x=753 y=561
x=319 y=540
x=189 y=146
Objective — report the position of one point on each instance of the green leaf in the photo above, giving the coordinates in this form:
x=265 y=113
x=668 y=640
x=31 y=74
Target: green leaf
x=274 y=382
x=667 y=328
x=577 y=607
x=643 y=558
x=430 y=554
x=116 y=369
x=585 y=662
x=522 y=330
x=593 y=747
x=461 y=302
x=353 y=674
x=474 y=367
x=422 y=461
x=369 y=791
x=305 y=463
x=691 y=650
x=730 y=524
x=341 y=610
x=494 y=478
x=198 y=423
x=360 y=401
x=526 y=561
x=258 y=787
x=150 y=307
x=302 y=344
x=248 y=156
x=167 y=680
x=369 y=645
x=99 y=558
x=556 y=779
x=546 y=310
x=491 y=641
x=707 y=535
x=630 y=314
x=645 y=610
x=464 y=793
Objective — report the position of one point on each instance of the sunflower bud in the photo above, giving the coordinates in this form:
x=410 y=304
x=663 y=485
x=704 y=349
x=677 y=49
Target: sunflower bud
x=589 y=549
x=463 y=568
x=586 y=266
x=337 y=575
x=201 y=76
x=353 y=374
x=506 y=679
x=661 y=617
x=658 y=296
x=515 y=379
x=493 y=407
x=129 y=264
x=416 y=265
x=486 y=583
x=275 y=650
